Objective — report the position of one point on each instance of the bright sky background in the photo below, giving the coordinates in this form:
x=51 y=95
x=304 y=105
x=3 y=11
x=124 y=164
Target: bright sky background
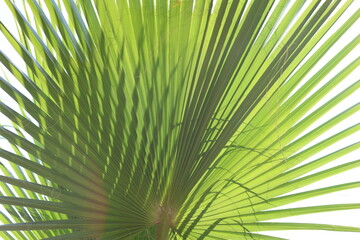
x=349 y=217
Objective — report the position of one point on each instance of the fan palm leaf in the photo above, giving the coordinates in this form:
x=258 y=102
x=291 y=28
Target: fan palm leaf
x=171 y=119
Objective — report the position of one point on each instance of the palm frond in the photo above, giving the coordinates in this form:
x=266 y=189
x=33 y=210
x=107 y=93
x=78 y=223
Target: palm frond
x=171 y=119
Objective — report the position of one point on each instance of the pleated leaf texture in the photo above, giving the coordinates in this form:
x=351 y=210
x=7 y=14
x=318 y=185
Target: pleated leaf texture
x=178 y=119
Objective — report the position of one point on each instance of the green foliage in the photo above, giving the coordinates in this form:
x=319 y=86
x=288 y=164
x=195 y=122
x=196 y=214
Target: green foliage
x=180 y=119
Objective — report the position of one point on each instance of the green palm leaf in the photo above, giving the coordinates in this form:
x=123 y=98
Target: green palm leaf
x=170 y=119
